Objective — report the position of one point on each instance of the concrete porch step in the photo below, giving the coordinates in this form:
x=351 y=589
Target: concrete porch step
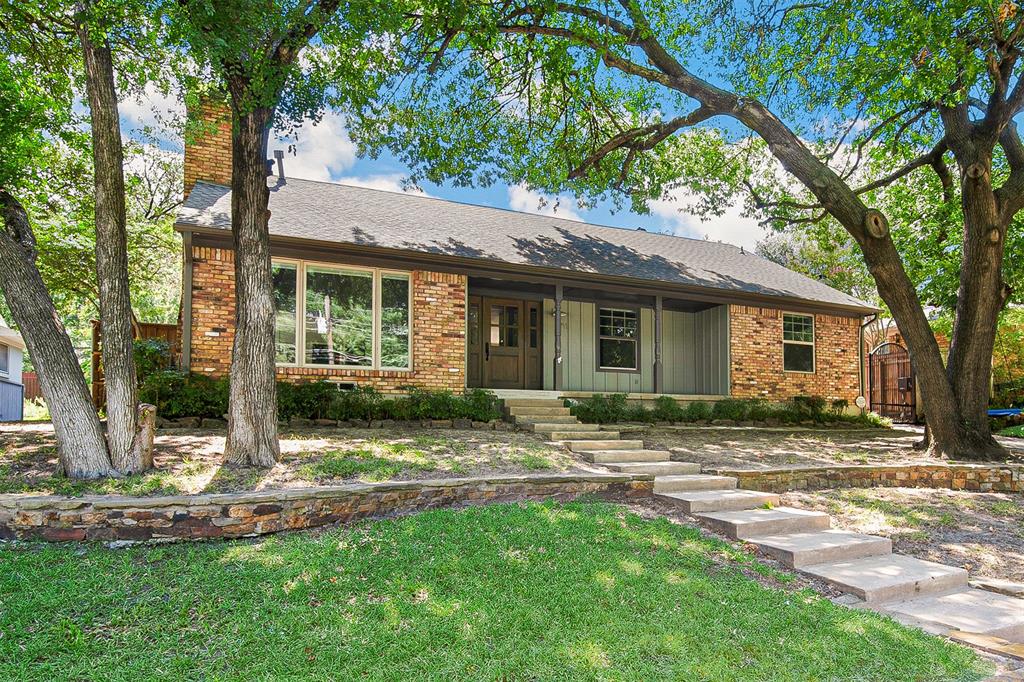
x=606 y=456
x=804 y=549
x=533 y=402
x=970 y=610
x=551 y=428
x=890 y=577
x=686 y=482
x=587 y=444
x=528 y=410
x=754 y=522
x=524 y=420
x=696 y=501
x=569 y=432
x=655 y=468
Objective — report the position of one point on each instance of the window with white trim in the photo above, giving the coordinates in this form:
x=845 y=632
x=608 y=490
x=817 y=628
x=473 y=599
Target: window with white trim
x=617 y=333
x=5 y=367
x=340 y=316
x=798 y=343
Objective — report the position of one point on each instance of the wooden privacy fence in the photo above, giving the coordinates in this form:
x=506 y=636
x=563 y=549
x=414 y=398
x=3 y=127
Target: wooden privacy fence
x=892 y=385
x=168 y=333
x=30 y=380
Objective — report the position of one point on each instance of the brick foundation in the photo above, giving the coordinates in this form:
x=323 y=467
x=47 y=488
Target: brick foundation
x=233 y=515
x=755 y=350
x=996 y=478
x=438 y=329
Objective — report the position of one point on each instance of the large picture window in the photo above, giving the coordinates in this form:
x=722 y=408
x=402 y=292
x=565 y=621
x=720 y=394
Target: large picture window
x=798 y=343
x=617 y=333
x=336 y=316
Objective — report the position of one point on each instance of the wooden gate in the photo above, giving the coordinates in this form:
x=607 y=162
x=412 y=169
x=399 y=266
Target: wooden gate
x=891 y=383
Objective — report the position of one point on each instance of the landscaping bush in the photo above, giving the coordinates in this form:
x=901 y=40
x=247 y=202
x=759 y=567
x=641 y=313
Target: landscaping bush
x=732 y=409
x=311 y=400
x=151 y=356
x=181 y=394
x=667 y=409
x=600 y=409
x=697 y=411
x=810 y=406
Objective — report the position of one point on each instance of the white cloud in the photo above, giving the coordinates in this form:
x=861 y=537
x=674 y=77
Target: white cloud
x=321 y=152
x=521 y=198
x=731 y=227
x=151 y=109
x=389 y=182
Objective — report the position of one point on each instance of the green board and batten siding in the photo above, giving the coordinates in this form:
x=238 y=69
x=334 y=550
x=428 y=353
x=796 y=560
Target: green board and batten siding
x=695 y=352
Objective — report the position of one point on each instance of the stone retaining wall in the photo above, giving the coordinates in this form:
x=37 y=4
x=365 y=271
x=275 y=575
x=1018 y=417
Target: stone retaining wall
x=245 y=514
x=1001 y=478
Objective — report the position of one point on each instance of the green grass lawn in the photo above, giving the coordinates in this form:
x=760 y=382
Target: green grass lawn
x=577 y=591
x=1014 y=431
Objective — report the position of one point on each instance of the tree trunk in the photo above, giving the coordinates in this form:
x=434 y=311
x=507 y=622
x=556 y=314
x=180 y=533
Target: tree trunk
x=252 y=410
x=112 y=253
x=979 y=301
x=81 y=448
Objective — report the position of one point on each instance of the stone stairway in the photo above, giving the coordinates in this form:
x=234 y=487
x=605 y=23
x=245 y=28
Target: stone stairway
x=932 y=596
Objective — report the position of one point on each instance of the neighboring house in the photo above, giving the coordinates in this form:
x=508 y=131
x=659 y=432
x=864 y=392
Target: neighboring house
x=394 y=290
x=11 y=391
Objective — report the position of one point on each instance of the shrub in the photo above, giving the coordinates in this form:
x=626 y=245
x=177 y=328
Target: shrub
x=666 y=409
x=731 y=408
x=759 y=410
x=601 y=409
x=839 y=406
x=151 y=356
x=360 y=404
x=182 y=394
x=311 y=400
x=697 y=411
x=480 y=405
x=810 y=406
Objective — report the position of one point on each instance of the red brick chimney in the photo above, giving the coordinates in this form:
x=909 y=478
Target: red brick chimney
x=208 y=146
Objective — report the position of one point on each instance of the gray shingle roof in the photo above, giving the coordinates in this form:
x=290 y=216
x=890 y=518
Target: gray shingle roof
x=330 y=212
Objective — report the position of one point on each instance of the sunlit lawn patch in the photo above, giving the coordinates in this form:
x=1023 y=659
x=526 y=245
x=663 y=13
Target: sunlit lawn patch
x=580 y=591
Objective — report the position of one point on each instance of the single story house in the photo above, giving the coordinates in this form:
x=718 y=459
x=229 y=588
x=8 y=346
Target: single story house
x=395 y=290
x=12 y=346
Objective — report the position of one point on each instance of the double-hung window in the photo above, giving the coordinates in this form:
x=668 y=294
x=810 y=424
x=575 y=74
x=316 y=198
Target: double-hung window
x=340 y=316
x=617 y=334
x=5 y=363
x=798 y=343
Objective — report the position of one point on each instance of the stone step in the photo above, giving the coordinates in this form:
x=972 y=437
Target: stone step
x=551 y=428
x=804 y=549
x=585 y=445
x=970 y=610
x=528 y=410
x=889 y=577
x=676 y=484
x=606 y=456
x=655 y=468
x=696 y=501
x=755 y=522
x=524 y=420
x=533 y=402
x=570 y=433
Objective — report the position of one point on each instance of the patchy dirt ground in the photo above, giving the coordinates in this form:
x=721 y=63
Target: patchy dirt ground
x=190 y=463
x=761 y=449
x=981 y=532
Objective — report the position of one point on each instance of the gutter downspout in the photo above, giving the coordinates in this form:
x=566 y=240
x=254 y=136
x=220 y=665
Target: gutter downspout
x=186 y=303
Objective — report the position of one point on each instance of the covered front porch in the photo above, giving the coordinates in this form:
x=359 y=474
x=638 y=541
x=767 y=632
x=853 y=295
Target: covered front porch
x=608 y=340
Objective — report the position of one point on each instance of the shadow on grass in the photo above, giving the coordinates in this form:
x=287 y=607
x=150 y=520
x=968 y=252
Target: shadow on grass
x=531 y=591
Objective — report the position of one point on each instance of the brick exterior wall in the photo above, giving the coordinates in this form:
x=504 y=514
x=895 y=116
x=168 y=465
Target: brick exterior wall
x=438 y=329
x=755 y=351
x=208 y=151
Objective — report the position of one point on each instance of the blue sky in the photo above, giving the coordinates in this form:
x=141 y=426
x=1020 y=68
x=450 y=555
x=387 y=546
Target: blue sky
x=324 y=152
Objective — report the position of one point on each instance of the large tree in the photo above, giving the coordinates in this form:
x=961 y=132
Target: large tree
x=31 y=119
x=638 y=99
x=253 y=53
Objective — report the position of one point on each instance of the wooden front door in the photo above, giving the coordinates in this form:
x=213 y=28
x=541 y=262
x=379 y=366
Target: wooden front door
x=503 y=343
